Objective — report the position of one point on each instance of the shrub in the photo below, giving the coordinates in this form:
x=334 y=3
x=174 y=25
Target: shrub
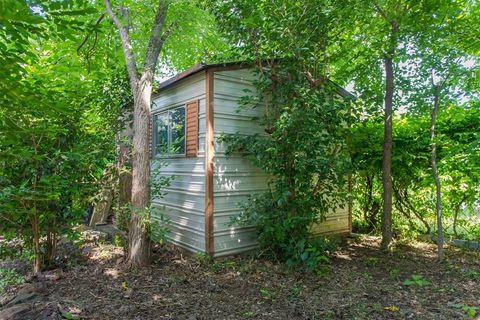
x=304 y=153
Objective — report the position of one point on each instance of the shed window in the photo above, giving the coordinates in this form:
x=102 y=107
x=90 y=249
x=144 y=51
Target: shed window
x=169 y=132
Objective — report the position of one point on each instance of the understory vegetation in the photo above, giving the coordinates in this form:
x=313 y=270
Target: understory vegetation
x=370 y=107
x=414 y=195
x=305 y=154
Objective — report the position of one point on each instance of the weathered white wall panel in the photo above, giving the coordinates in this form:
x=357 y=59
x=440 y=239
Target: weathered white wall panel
x=185 y=90
x=184 y=202
x=235 y=178
x=335 y=223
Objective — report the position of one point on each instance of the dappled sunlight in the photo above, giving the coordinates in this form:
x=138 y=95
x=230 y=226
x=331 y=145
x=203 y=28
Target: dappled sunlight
x=178 y=285
x=112 y=272
x=103 y=252
x=233 y=233
x=343 y=256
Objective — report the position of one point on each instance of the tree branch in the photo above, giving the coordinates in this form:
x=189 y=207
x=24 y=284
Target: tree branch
x=379 y=9
x=88 y=35
x=157 y=39
x=126 y=45
x=167 y=32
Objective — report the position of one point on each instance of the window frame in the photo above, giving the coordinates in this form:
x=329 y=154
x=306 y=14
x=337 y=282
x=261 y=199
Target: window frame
x=169 y=132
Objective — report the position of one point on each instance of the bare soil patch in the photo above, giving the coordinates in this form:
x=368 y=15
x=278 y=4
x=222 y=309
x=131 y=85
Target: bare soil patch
x=360 y=283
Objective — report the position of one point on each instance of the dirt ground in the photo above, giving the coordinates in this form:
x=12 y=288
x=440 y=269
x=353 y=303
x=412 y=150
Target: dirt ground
x=359 y=283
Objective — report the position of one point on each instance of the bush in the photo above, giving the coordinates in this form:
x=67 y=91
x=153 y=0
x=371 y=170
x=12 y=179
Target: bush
x=306 y=156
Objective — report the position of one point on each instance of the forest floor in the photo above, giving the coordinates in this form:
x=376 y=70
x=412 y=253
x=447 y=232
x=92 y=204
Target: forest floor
x=359 y=283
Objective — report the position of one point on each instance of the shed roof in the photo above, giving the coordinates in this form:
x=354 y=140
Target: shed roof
x=197 y=68
x=233 y=64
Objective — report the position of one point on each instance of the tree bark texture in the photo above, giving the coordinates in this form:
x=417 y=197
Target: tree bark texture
x=51 y=246
x=102 y=208
x=436 y=178
x=141 y=86
x=387 y=154
x=124 y=172
x=138 y=238
x=37 y=263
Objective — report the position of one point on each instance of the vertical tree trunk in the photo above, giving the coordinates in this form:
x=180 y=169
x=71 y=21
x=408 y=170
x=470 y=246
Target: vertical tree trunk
x=37 y=263
x=124 y=174
x=438 y=191
x=387 y=153
x=141 y=86
x=51 y=246
x=139 y=241
x=455 y=216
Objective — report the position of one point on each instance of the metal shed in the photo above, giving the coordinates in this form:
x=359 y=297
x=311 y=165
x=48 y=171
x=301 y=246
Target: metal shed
x=190 y=111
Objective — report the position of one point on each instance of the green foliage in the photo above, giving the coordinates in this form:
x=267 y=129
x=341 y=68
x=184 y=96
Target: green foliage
x=306 y=121
x=159 y=222
x=417 y=281
x=473 y=274
x=120 y=241
x=372 y=261
x=63 y=101
x=312 y=254
x=305 y=154
x=267 y=294
x=55 y=140
x=394 y=273
x=60 y=105
x=9 y=277
x=413 y=186
x=69 y=316
x=471 y=311
x=152 y=219
x=215 y=265
x=429 y=54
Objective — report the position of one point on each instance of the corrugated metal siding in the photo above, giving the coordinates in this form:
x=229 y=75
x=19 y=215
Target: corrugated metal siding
x=184 y=202
x=335 y=223
x=235 y=179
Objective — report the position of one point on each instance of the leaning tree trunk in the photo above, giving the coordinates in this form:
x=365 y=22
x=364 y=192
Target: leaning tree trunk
x=438 y=191
x=387 y=154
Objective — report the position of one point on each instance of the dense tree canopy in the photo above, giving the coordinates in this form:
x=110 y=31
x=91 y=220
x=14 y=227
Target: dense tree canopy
x=66 y=87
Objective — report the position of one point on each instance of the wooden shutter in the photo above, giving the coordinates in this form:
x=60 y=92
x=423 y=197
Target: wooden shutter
x=191 y=144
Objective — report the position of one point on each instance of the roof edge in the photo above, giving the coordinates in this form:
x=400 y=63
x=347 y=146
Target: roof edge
x=197 y=68
x=238 y=64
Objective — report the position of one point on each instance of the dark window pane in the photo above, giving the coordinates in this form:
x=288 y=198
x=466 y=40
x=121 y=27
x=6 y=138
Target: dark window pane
x=177 y=127
x=161 y=133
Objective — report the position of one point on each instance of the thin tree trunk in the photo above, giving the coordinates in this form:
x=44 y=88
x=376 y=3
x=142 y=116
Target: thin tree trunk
x=438 y=191
x=404 y=202
x=51 y=246
x=455 y=216
x=124 y=174
x=37 y=263
x=387 y=154
x=369 y=191
x=455 y=219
